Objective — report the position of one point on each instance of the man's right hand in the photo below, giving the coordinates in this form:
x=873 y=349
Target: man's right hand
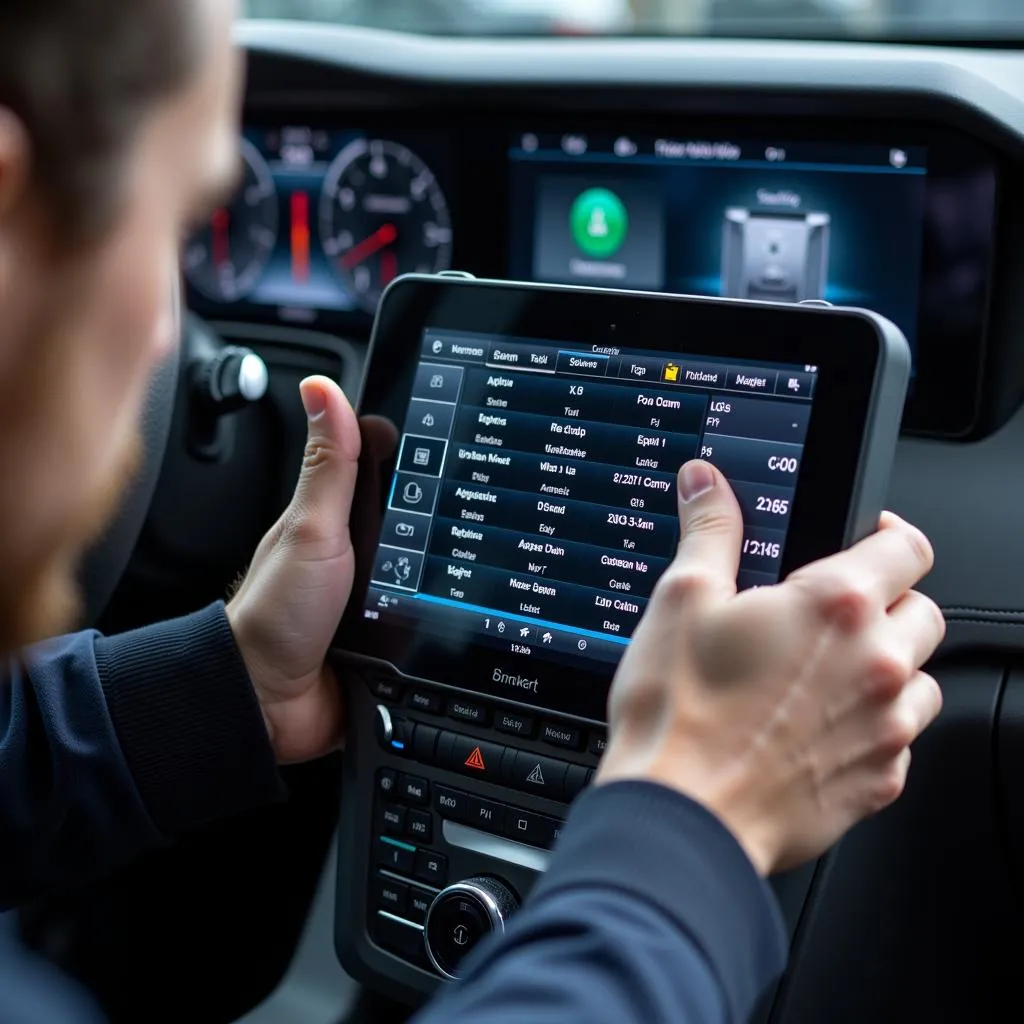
x=789 y=710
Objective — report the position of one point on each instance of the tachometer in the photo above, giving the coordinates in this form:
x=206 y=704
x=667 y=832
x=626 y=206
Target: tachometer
x=226 y=259
x=382 y=214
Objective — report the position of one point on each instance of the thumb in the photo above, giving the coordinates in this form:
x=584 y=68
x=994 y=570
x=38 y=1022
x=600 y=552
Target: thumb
x=711 y=526
x=328 y=476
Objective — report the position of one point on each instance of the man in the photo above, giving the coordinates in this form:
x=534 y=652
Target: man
x=747 y=731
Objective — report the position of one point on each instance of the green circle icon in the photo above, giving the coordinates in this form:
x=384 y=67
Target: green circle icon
x=599 y=222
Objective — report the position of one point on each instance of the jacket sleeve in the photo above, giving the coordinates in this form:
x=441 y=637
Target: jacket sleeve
x=650 y=912
x=110 y=746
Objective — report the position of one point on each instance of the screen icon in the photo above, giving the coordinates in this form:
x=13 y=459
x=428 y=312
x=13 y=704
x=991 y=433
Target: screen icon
x=428 y=420
x=436 y=347
x=437 y=381
x=413 y=493
x=599 y=222
x=400 y=569
x=421 y=457
x=624 y=146
x=405 y=530
x=671 y=373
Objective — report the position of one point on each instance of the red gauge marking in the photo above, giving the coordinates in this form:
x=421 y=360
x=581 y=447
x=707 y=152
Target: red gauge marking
x=383 y=236
x=300 y=236
x=221 y=224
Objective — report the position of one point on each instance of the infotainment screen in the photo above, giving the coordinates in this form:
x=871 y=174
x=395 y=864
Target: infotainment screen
x=534 y=495
x=744 y=218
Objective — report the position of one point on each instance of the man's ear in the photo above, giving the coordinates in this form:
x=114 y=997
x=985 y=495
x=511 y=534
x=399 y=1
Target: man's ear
x=15 y=161
x=15 y=158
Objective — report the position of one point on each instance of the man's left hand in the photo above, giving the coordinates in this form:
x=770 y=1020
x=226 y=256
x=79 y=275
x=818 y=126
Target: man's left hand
x=285 y=613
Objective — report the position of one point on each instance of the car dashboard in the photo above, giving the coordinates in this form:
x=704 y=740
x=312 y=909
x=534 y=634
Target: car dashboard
x=856 y=174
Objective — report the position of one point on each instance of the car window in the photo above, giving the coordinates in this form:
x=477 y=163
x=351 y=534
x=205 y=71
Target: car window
x=910 y=20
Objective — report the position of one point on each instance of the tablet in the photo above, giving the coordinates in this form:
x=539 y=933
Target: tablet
x=530 y=504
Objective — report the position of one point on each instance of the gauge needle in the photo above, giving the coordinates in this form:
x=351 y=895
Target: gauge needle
x=383 y=236
x=388 y=267
x=221 y=223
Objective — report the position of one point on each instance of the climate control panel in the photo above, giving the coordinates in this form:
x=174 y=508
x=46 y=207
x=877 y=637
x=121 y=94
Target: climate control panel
x=451 y=806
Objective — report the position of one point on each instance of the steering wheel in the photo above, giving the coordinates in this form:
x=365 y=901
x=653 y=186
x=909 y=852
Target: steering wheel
x=105 y=563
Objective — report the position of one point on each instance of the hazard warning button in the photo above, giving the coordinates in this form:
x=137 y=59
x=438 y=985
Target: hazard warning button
x=542 y=776
x=477 y=758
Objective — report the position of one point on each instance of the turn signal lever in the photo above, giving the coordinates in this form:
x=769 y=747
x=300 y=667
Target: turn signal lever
x=222 y=380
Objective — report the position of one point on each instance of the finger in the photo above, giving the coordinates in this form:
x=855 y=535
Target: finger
x=711 y=532
x=919 y=625
x=877 y=734
x=883 y=566
x=380 y=441
x=328 y=476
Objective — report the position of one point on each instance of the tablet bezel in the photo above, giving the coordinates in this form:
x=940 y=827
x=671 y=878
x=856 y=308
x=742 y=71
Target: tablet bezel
x=848 y=366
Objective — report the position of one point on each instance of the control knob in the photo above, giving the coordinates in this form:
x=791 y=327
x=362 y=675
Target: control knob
x=461 y=916
x=230 y=380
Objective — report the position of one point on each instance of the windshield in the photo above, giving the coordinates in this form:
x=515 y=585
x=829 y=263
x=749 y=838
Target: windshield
x=911 y=20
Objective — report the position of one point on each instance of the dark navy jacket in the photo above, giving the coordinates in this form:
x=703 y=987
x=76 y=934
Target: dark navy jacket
x=650 y=911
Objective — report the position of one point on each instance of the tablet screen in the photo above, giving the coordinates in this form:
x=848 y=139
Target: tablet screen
x=534 y=495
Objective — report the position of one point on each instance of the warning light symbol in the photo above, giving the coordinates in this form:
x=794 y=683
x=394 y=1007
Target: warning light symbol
x=475 y=760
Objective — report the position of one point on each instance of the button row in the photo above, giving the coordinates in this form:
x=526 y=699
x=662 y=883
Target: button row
x=400 y=937
x=558 y=734
x=490 y=762
x=404 y=899
x=402 y=821
x=408 y=789
x=511 y=822
x=406 y=859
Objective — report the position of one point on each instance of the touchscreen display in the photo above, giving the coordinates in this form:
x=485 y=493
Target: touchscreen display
x=784 y=222
x=533 y=505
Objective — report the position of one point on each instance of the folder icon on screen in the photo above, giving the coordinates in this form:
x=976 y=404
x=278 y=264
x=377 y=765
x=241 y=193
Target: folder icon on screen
x=671 y=373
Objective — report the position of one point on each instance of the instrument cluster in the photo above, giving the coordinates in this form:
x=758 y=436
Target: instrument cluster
x=322 y=221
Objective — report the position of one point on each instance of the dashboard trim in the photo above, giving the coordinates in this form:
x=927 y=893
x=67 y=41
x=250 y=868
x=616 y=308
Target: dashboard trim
x=989 y=83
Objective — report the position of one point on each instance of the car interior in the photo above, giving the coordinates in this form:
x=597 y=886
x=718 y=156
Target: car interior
x=883 y=171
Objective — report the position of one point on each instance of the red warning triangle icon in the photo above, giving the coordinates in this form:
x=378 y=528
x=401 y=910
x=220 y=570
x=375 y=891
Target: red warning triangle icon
x=476 y=760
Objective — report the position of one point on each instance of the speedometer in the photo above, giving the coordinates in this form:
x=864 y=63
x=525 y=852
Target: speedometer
x=382 y=214
x=226 y=259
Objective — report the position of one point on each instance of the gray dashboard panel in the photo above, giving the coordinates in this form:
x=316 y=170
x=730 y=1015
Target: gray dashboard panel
x=990 y=83
x=968 y=499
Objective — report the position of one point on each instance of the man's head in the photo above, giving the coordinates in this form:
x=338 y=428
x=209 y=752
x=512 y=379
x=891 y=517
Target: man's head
x=118 y=129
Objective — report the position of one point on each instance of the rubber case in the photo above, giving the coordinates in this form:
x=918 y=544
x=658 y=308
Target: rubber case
x=882 y=427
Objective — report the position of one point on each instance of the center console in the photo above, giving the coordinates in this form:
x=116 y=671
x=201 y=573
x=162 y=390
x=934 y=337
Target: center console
x=510 y=538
